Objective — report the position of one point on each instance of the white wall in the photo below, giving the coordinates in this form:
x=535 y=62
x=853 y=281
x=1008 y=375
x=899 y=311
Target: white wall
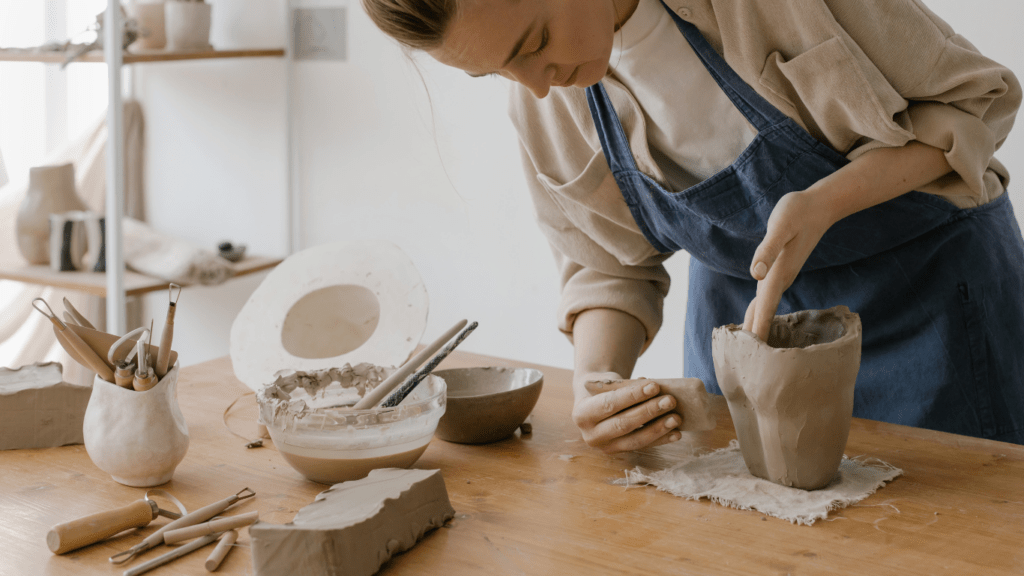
x=438 y=177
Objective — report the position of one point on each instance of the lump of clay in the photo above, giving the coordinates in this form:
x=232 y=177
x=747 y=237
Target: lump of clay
x=353 y=528
x=791 y=398
x=38 y=409
x=692 y=399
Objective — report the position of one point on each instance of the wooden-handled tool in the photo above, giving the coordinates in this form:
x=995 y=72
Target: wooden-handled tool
x=74 y=344
x=80 y=319
x=213 y=526
x=93 y=528
x=202 y=515
x=163 y=358
x=224 y=544
x=145 y=379
x=101 y=342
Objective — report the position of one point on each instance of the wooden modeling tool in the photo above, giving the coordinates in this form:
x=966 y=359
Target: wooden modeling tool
x=72 y=342
x=202 y=515
x=373 y=397
x=162 y=359
x=101 y=342
x=69 y=319
x=82 y=532
x=224 y=544
x=80 y=319
x=211 y=527
x=400 y=394
x=170 y=556
x=144 y=376
x=124 y=369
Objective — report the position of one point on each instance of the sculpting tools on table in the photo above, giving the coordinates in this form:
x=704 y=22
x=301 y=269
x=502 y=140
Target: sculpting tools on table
x=144 y=376
x=400 y=394
x=373 y=397
x=87 y=530
x=173 y=555
x=202 y=515
x=74 y=344
x=168 y=334
x=226 y=541
x=211 y=527
x=124 y=369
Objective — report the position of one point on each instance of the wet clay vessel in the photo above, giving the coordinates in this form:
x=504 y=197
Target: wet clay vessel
x=791 y=398
x=487 y=404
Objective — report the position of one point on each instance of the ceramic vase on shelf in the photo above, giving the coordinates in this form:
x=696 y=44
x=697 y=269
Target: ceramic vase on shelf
x=139 y=438
x=187 y=25
x=150 y=19
x=51 y=189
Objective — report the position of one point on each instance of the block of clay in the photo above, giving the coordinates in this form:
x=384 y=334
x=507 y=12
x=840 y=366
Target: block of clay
x=353 y=528
x=791 y=398
x=692 y=399
x=38 y=409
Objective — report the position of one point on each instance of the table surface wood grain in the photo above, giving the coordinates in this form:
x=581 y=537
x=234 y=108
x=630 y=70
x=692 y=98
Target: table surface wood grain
x=545 y=503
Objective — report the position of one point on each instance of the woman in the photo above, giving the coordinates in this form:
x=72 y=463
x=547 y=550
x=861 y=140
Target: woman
x=806 y=153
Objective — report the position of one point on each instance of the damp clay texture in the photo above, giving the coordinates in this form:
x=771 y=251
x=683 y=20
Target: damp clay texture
x=692 y=399
x=791 y=398
x=310 y=420
x=353 y=528
x=38 y=409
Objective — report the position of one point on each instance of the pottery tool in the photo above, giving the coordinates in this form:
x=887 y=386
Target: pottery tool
x=191 y=519
x=391 y=382
x=168 y=333
x=400 y=394
x=79 y=318
x=173 y=555
x=211 y=527
x=71 y=341
x=90 y=529
x=224 y=544
x=101 y=343
x=124 y=369
x=144 y=376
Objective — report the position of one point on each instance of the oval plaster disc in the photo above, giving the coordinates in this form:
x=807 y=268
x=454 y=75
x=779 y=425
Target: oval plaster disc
x=344 y=302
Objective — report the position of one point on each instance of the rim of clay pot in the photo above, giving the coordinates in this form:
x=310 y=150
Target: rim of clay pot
x=536 y=378
x=853 y=331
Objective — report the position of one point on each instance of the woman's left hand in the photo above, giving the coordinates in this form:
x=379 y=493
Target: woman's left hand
x=796 y=225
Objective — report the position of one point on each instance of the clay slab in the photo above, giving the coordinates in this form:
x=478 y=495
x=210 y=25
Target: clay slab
x=692 y=399
x=354 y=527
x=38 y=409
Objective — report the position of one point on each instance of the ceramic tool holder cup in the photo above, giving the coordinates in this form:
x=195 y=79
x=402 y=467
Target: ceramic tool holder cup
x=139 y=438
x=791 y=398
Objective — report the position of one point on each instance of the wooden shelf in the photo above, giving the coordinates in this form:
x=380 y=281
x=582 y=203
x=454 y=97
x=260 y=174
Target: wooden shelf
x=96 y=282
x=20 y=55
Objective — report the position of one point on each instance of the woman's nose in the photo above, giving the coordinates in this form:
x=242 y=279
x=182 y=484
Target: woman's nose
x=536 y=78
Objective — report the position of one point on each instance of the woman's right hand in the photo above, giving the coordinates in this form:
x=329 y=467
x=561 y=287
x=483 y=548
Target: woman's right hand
x=626 y=419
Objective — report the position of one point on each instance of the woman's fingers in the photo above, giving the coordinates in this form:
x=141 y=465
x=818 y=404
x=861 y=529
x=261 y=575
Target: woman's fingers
x=591 y=411
x=660 y=431
x=629 y=420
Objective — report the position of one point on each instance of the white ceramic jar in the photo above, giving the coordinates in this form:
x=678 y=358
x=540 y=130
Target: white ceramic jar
x=139 y=438
x=187 y=25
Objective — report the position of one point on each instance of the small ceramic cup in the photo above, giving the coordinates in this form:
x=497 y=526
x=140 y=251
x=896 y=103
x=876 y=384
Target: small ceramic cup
x=187 y=25
x=139 y=438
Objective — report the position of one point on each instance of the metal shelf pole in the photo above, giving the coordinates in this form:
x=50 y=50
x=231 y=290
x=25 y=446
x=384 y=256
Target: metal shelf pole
x=112 y=30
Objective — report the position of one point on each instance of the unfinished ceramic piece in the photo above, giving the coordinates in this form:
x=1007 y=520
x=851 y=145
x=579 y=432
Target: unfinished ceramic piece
x=333 y=304
x=791 y=399
x=487 y=404
x=150 y=19
x=692 y=399
x=312 y=425
x=139 y=438
x=353 y=528
x=187 y=25
x=51 y=189
x=38 y=409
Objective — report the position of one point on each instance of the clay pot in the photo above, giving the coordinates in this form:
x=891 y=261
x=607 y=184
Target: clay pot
x=791 y=398
x=139 y=438
x=487 y=404
x=187 y=25
x=150 y=19
x=51 y=189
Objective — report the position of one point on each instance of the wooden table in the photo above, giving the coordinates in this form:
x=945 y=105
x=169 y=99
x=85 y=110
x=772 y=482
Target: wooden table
x=544 y=503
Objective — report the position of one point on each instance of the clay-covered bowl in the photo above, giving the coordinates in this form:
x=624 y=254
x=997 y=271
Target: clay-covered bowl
x=487 y=404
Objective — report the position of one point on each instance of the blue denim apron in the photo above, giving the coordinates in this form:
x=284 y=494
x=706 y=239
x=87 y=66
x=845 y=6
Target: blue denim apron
x=940 y=290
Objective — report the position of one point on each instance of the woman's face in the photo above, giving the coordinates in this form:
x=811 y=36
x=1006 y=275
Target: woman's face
x=538 y=43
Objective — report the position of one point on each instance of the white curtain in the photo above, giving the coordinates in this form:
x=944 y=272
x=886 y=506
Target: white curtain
x=35 y=333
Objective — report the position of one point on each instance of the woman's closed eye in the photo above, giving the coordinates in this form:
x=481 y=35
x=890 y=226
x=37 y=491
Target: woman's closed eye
x=544 y=37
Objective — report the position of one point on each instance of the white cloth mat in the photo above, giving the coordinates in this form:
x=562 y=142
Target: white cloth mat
x=722 y=476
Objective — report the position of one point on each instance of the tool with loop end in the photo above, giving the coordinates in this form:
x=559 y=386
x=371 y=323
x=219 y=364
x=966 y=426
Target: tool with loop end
x=164 y=356
x=74 y=344
x=76 y=534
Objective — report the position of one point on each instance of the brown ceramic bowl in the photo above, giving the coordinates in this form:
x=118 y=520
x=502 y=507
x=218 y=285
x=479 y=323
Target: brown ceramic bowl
x=487 y=404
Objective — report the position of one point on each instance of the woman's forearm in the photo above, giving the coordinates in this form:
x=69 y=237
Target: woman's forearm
x=879 y=175
x=605 y=340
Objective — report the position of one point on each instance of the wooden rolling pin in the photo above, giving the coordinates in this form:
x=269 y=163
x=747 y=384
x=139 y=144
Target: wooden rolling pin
x=207 y=528
x=73 y=535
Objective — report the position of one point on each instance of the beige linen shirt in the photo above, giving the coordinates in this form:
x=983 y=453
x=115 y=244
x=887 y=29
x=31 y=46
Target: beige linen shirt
x=856 y=74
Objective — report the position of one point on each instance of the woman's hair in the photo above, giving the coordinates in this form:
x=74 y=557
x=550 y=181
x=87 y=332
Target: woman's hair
x=417 y=24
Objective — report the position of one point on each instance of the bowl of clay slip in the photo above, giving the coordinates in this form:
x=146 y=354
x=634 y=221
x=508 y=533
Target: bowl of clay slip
x=791 y=398
x=487 y=404
x=313 y=426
